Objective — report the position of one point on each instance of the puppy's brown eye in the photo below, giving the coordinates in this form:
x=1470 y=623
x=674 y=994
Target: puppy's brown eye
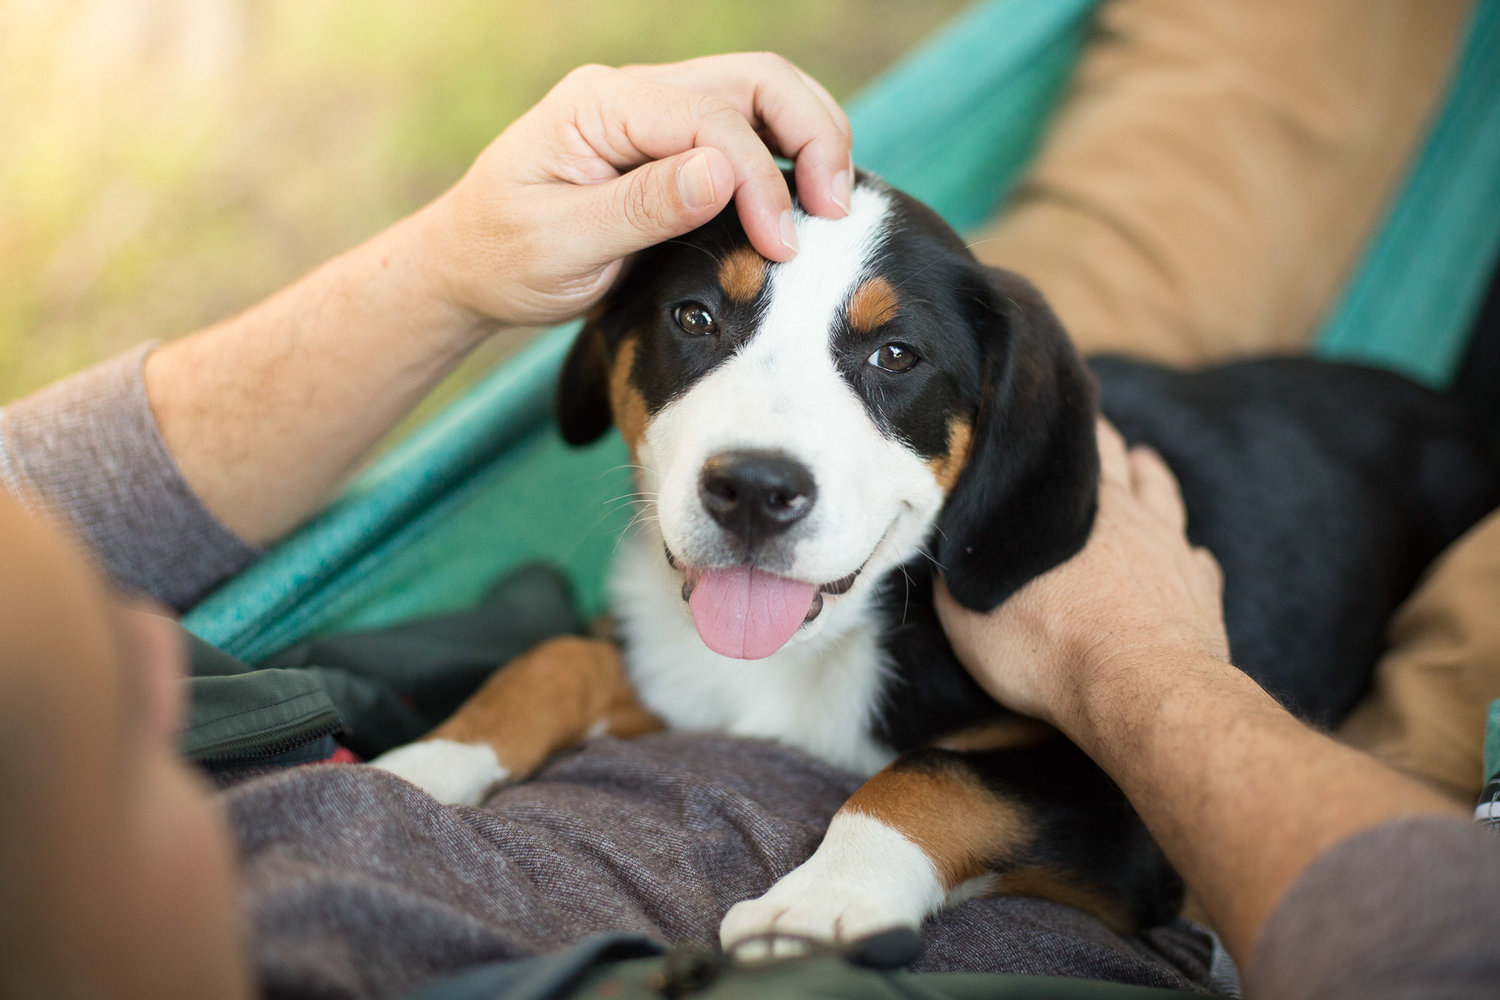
x=695 y=319
x=893 y=358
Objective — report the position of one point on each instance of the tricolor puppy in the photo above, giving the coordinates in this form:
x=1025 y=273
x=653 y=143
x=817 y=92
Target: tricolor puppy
x=813 y=438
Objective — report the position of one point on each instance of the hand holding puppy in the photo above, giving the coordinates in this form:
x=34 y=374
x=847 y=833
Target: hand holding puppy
x=610 y=162
x=1137 y=592
x=613 y=161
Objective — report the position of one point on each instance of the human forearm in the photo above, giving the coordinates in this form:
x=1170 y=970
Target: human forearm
x=1240 y=795
x=1123 y=648
x=268 y=412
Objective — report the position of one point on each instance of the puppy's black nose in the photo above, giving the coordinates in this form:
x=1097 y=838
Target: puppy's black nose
x=755 y=494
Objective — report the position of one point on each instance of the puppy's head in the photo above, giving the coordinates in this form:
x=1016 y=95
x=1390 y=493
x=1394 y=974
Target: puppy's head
x=800 y=429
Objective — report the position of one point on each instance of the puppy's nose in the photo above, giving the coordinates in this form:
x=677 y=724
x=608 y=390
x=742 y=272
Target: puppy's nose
x=755 y=494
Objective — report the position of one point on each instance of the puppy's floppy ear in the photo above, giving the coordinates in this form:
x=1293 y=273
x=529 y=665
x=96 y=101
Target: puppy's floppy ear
x=1025 y=501
x=583 y=413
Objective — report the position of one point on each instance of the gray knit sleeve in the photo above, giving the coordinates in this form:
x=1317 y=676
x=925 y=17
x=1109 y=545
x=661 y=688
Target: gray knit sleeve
x=1408 y=909
x=88 y=451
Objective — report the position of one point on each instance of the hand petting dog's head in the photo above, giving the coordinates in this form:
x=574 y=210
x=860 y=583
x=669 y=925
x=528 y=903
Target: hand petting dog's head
x=801 y=429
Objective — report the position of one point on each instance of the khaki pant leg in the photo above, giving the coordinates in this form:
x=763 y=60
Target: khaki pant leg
x=1426 y=712
x=1219 y=164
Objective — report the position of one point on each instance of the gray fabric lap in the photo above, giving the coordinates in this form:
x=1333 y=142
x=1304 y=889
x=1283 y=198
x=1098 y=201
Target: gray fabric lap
x=358 y=885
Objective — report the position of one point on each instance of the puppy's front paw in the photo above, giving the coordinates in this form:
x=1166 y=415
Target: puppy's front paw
x=865 y=878
x=453 y=773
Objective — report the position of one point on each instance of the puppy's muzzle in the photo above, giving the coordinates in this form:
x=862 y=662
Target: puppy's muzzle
x=755 y=495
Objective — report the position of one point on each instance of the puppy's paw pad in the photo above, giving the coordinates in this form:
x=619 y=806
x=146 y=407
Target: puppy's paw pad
x=453 y=773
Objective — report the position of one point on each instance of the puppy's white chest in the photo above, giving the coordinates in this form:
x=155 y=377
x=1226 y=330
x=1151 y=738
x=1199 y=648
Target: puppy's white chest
x=819 y=694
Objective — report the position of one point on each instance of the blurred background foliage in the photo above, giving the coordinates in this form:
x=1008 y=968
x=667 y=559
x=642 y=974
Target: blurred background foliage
x=165 y=163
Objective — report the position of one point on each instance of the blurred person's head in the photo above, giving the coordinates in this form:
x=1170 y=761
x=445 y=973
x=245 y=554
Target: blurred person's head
x=115 y=869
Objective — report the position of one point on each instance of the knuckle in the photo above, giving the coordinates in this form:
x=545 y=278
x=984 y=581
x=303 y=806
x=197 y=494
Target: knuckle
x=712 y=110
x=774 y=62
x=587 y=76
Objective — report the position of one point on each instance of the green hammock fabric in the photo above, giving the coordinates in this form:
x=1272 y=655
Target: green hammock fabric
x=488 y=485
x=1423 y=278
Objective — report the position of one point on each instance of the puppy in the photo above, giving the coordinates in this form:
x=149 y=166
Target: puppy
x=813 y=439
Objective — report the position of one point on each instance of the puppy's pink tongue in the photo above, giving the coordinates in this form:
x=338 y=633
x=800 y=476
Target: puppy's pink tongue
x=748 y=614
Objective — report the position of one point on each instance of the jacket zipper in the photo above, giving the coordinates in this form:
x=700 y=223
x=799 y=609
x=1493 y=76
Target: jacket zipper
x=273 y=742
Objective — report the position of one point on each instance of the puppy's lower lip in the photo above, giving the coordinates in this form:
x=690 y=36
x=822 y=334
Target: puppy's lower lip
x=689 y=580
x=839 y=586
x=815 y=608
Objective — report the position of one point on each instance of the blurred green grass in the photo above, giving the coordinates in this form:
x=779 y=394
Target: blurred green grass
x=166 y=163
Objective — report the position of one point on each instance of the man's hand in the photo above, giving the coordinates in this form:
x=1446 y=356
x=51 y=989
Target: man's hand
x=1123 y=649
x=613 y=161
x=267 y=413
x=1137 y=590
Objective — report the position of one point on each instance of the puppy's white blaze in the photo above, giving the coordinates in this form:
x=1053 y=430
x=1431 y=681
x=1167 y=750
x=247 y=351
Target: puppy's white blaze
x=876 y=500
x=864 y=877
x=782 y=392
x=453 y=773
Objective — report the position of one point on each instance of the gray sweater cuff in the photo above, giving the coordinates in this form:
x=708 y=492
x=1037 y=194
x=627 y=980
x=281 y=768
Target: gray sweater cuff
x=1408 y=909
x=87 y=450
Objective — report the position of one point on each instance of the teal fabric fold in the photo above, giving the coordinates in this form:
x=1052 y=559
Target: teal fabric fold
x=957 y=120
x=1413 y=297
x=1492 y=741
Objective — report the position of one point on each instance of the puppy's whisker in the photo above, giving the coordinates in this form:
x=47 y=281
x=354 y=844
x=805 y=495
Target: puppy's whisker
x=622 y=503
x=906 y=605
x=992 y=239
x=921 y=551
x=701 y=249
x=626 y=467
x=639 y=520
x=642 y=497
x=917 y=273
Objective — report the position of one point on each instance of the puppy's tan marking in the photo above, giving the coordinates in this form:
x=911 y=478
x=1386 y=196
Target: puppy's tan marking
x=1059 y=887
x=970 y=832
x=548 y=699
x=947 y=467
x=625 y=400
x=742 y=274
x=960 y=825
x=873 y=305
x=1002 y=734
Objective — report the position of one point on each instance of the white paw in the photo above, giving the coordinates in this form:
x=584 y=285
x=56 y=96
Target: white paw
x=864 y=878
x=453 y=773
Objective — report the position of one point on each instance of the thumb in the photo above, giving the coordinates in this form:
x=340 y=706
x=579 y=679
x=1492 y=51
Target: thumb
x=660 y=200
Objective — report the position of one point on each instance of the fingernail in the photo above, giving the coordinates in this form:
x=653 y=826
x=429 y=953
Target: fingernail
x=843 y=184
x=788 y=231
x=696 y=183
